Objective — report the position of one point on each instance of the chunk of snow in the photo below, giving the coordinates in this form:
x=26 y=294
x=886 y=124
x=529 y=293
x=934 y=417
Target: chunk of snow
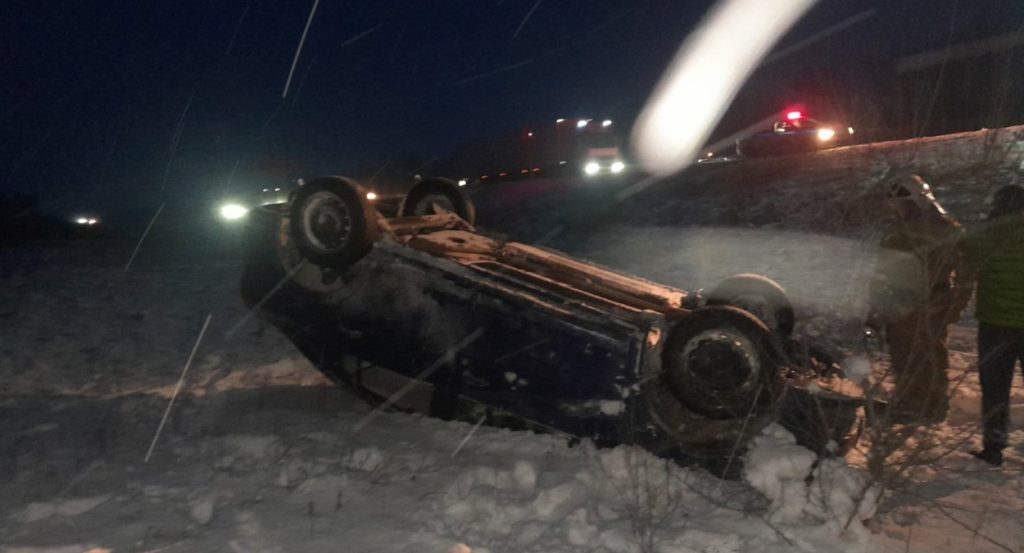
x=367 y=459
x=776 y=466
x=555 y=503
x=38 y=510
x=857 y=367
x=525 y=476
x=201 y=510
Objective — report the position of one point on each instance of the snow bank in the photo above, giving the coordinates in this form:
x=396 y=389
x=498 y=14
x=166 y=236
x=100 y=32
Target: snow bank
x=801 y=491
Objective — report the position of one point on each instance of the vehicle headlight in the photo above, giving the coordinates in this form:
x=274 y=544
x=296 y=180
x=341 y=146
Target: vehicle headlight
x=617 y=167
x=591 y=168
x=371 y=196
x=825 y=135
x=233 y=211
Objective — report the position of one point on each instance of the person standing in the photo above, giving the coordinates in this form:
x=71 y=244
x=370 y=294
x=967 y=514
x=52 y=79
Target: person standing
x=996 y=253
x=919 y=288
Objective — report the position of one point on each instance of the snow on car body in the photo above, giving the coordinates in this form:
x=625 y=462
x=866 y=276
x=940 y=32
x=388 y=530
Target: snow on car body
x=422 y=311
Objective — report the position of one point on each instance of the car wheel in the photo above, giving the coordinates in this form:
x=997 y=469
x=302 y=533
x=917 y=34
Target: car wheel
x=331 y=223
x=720 y=363
x=761 y=297
x=443 y=193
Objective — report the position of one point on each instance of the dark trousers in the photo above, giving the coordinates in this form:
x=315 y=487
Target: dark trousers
x=917 y=346
x=999 y=348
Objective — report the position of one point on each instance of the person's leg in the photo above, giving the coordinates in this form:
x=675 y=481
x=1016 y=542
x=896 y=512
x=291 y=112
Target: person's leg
x=899 y=337
x=995 y=371
x=919 y=363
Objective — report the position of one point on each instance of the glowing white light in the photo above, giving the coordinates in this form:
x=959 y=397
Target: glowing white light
x=266 y=189
x=277 y=190
x=82 y=221
x=606 y=123
x=529 y=134
x=581 y=123
x=591 y=168
x=559 y=120
x=233 y=211
x=825 y=134
x=617 y=167
x=849 y=130
x=704 y=77
x=371 y=196
x=91 y=222
x=463 y=182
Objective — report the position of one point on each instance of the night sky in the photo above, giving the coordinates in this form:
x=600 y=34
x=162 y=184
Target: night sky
x=134 y=103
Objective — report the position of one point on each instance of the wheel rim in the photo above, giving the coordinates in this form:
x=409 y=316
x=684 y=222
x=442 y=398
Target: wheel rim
x=426 y=205
x=326 y=222
x=719 y=369
x=759 y=307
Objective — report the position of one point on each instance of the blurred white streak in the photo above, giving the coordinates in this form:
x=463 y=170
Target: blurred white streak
x=302 y=81
x=361 y=35
x=298 y=50
x=704 y=77
x=820 y=35
x=231 y=43
x=448 y=357
x=527 y=18
x=468 y=436
x=644 y=184
x=177 y=388
x=254 y=309
x=273 y=115
x=173 y=150
x=144 y=233
x=516 y=65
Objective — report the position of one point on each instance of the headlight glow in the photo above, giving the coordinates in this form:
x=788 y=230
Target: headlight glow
x=82 y=221
x=233 y=211
x=463 y=182
x=591 y=168
x=826 y=134
x=617 y=167
x=371 y=196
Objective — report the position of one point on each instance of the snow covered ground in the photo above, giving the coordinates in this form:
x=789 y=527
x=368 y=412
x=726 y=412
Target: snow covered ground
x=259 y=453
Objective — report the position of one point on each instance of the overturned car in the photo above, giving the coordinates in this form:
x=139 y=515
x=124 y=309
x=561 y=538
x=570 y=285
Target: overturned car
x=406 y=303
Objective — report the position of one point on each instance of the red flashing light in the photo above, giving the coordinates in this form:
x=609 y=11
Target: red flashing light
x=794 y=115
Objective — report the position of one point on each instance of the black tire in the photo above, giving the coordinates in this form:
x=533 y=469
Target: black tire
x=445 y=193
x=721 y=363
x=760 y=296
x=331 y=223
